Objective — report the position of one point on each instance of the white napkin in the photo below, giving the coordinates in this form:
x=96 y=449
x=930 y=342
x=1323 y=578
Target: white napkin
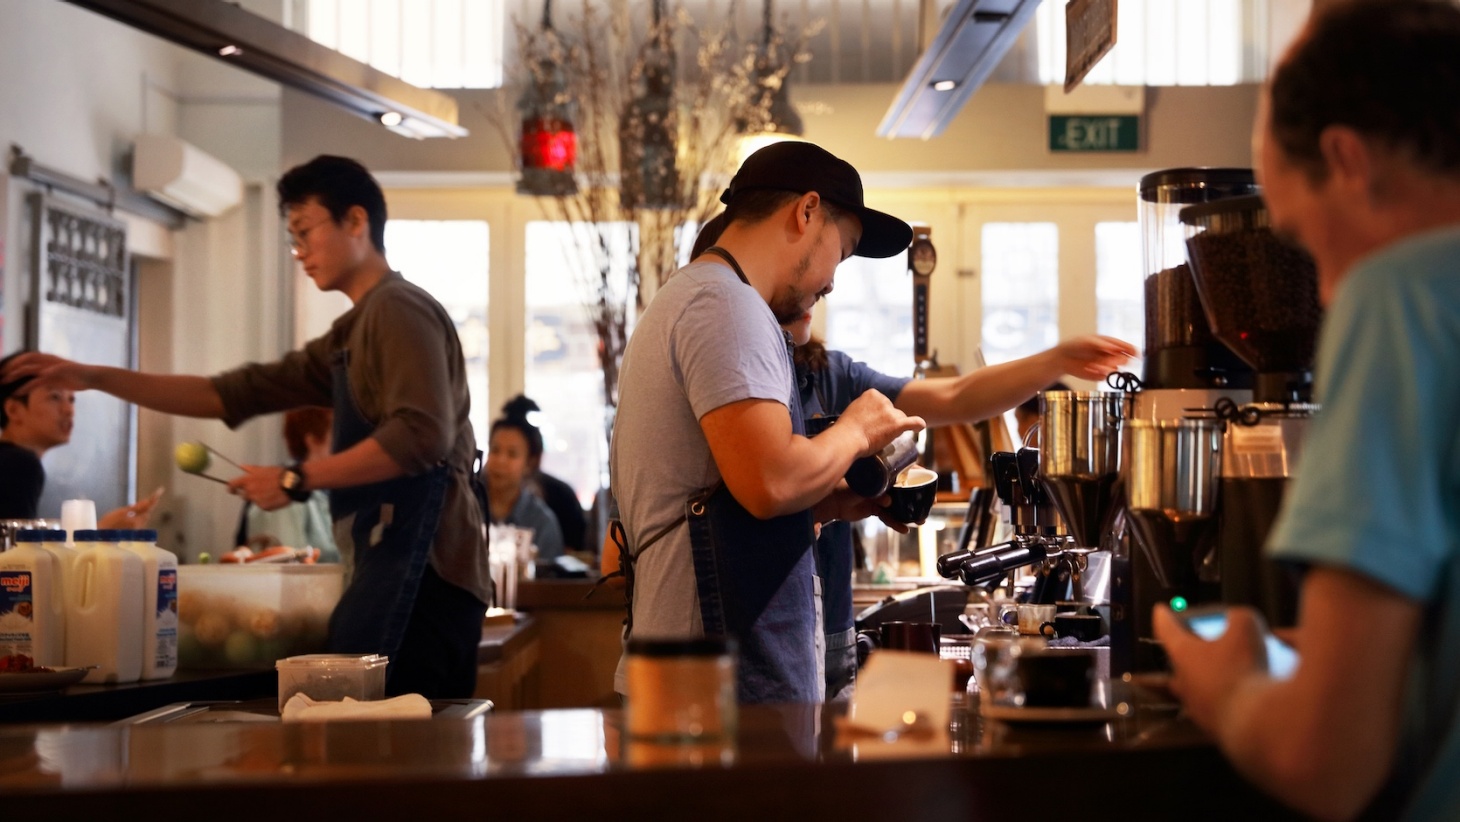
x=301 y=708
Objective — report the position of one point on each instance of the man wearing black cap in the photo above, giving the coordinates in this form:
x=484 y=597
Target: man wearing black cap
x=718 y=490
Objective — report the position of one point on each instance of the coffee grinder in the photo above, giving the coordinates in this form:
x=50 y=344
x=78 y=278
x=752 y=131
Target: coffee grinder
x=1079 y=465
x=1188 y=371
x=1170 y=481
x=1182 y=354
x=1260 y=296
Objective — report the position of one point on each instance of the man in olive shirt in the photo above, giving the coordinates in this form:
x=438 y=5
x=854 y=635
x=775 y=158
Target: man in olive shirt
x=400 y=476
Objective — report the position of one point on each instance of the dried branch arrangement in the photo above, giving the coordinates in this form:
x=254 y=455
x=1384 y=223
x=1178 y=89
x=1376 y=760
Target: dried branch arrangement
x=654 y=106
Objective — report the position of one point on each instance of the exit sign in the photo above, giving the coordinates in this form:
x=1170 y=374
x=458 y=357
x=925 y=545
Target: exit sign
x=1094 y=132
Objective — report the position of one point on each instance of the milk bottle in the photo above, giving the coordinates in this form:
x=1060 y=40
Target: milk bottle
x=104 y=608
x=31 y=609
x=65 y=554
x=159 y=611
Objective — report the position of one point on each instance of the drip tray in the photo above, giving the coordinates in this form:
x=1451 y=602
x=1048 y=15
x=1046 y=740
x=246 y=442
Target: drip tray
x=267 y=710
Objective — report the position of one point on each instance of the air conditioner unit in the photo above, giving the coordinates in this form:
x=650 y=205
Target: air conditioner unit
x=183 y=176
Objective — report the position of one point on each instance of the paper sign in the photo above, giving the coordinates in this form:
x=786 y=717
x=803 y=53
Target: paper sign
x=896 y=685
x=1089 y=34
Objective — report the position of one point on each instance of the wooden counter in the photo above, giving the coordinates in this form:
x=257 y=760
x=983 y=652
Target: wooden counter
x=581 y=630
x=787 y=763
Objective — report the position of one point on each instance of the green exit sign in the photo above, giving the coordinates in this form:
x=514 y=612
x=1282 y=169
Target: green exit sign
x=1097 y=132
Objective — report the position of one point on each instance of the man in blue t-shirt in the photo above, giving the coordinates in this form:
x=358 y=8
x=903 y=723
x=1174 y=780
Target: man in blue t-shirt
x=1358 y=145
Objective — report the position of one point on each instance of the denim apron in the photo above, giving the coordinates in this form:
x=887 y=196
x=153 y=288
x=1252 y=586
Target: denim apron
x=756 y=581
x=388 y=527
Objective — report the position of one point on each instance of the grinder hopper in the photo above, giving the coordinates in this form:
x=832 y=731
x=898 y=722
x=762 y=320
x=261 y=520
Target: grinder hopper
x=1260 y=294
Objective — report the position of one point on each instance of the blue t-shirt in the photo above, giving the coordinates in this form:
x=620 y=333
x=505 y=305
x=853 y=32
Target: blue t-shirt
x=531 y=512
x=1378 y=490
x=823 y=393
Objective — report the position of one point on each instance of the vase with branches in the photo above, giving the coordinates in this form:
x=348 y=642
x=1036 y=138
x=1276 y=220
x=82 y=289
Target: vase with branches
x=658 y=107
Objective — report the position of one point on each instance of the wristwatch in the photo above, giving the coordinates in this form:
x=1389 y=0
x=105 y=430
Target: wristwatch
x=292 y=481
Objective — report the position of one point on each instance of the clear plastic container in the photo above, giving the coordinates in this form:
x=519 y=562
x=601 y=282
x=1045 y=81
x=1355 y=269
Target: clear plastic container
x=332 y=677
x=249 y=616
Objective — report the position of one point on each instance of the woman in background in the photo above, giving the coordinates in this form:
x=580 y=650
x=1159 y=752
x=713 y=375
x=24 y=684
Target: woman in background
x=514 y=448
x=560 y=497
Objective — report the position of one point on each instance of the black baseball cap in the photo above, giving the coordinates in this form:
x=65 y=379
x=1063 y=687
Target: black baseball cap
x=793 y=165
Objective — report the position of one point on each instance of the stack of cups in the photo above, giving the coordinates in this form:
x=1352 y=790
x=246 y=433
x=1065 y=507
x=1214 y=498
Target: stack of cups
x=77 y=515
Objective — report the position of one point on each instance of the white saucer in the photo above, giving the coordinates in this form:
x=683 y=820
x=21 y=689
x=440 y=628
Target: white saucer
x=1006 y=713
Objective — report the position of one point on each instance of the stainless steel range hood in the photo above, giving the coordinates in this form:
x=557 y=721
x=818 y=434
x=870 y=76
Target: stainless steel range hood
x=974 y=36
x=263 y=47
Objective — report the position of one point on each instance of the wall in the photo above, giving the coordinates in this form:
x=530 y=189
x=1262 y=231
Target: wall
x=75 y=90
x=991 y=161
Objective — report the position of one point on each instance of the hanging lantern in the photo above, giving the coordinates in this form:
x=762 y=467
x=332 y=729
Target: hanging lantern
x=648 y=131
x=770 y=117
x=549 y=143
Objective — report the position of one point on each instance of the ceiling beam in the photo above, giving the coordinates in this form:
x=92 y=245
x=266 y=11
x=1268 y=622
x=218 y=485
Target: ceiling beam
x=258 y=45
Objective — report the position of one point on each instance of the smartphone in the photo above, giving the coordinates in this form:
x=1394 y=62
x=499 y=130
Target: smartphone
x=1210 y=622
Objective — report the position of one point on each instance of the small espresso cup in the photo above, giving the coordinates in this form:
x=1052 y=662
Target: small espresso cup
x=912 y=495
x=1084 y=627
x=1031 y=617
x=920 y=637
x=1056 y=678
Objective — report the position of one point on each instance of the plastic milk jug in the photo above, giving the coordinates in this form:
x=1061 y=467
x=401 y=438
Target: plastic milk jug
x=30 y=619
x=54 y=541
x=104 y=609
x=159 y=611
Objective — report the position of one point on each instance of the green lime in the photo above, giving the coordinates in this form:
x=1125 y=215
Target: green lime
x=241 y=648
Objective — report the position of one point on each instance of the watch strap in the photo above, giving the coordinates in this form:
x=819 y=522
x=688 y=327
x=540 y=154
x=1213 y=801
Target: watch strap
x=292 y=483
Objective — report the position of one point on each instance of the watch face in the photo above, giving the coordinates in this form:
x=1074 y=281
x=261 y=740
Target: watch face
x=924 y=257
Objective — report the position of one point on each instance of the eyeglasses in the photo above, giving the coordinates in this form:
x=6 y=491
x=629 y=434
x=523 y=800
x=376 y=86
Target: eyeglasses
x=298 y=242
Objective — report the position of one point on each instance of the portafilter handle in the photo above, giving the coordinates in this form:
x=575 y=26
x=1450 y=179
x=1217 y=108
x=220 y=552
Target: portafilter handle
x=993 y=562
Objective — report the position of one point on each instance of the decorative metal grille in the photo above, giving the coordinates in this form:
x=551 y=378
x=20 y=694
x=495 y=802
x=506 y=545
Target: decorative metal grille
x=83 y=261
x=81 y=309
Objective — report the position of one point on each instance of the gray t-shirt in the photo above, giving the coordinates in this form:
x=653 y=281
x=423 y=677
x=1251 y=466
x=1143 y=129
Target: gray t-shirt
x=706 y=341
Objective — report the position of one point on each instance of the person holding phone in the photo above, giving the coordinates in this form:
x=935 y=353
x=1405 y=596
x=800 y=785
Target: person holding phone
x=1358 y=152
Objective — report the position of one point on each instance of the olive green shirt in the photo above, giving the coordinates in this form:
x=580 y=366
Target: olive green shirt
x=408 y=377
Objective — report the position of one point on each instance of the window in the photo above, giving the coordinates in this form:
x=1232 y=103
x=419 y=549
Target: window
x=449 y=259
x=869 y=313
x=1020 y=289
x=438 y=44
x=1163 y=43
x=562 y=372
x=1120 y=284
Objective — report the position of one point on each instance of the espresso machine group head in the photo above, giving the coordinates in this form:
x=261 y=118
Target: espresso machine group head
x=1040 y=537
